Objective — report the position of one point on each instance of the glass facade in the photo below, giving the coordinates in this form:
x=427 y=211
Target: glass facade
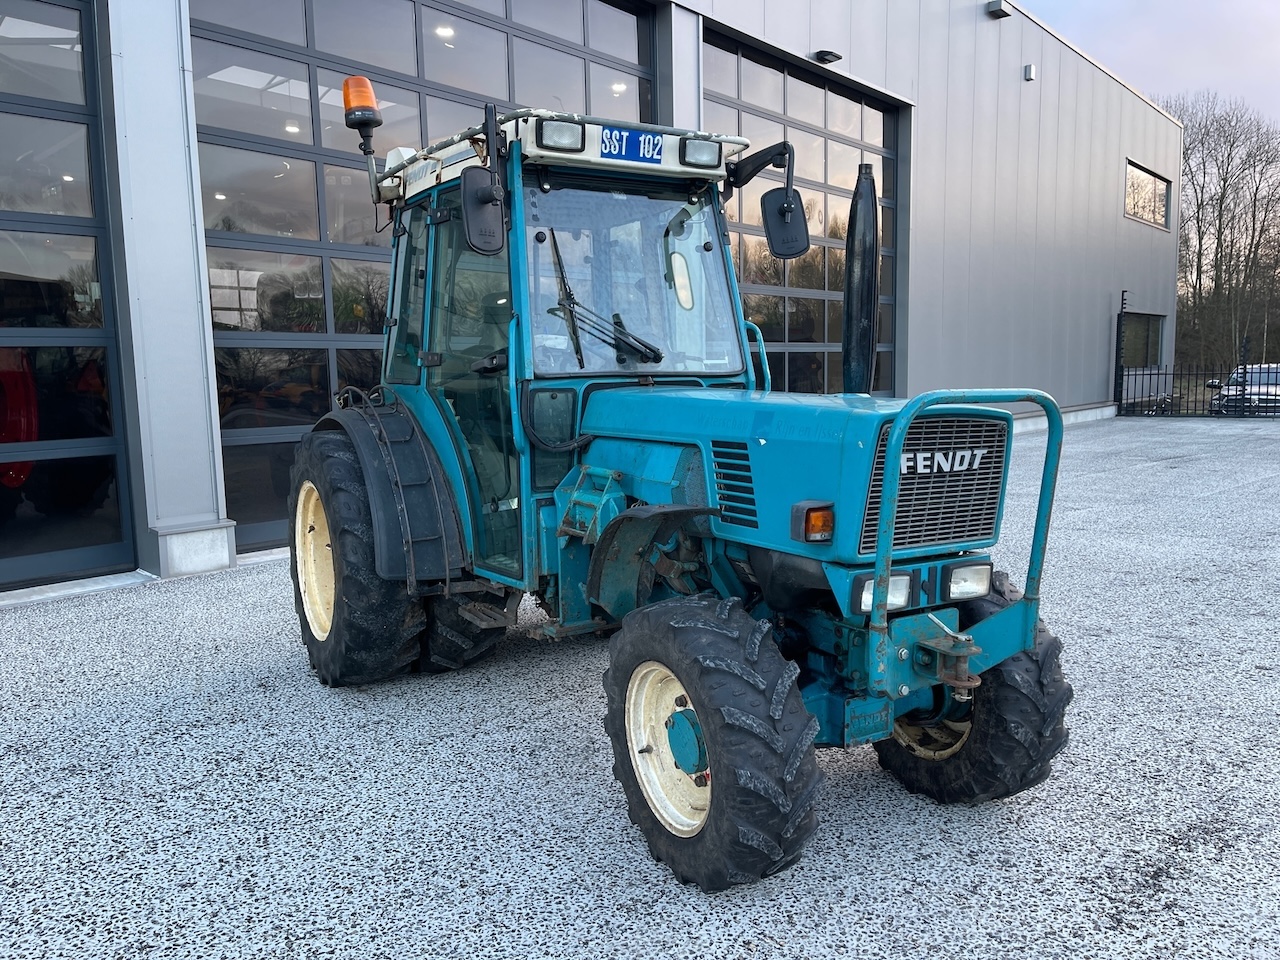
x=64 y=511
x=799 y=305
x=298 y=258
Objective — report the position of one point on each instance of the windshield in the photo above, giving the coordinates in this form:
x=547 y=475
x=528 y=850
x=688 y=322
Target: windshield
x=1257 y=377
x=627 y=279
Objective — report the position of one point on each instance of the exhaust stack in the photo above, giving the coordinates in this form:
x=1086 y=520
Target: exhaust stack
x=861 y=284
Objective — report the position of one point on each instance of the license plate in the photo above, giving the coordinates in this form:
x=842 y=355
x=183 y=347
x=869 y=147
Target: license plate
x=617 y=143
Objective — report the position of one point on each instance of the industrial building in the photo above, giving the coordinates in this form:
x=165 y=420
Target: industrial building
x=190 y=266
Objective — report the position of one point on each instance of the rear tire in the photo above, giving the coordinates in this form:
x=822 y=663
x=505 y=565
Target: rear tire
x=357 y=627
x=725 y=793
x=1011 y=734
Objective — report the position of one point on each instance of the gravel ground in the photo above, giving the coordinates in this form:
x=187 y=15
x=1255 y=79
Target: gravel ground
x=176 y=784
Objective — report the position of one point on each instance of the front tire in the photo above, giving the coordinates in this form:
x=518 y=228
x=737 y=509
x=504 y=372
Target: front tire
x=1010 y=734
x=357 y=627
x=711 y=741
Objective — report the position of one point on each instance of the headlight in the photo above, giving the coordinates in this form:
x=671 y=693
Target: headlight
x=699 y=153
x=561 y=135
x=899 y=590
x=965 y=581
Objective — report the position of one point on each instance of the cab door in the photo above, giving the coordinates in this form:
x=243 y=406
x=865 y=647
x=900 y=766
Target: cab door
x=468 y=323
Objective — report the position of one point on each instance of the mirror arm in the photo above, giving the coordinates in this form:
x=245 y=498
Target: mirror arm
x=742 y=172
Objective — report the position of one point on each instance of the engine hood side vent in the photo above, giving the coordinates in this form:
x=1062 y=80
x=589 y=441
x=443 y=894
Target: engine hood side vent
x=735 y=490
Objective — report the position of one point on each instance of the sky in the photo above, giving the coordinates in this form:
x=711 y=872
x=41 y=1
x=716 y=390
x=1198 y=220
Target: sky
x=1164 y=47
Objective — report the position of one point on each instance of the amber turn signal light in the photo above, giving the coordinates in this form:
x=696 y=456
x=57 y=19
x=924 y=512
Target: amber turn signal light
x=813 y=521
x=359 y=104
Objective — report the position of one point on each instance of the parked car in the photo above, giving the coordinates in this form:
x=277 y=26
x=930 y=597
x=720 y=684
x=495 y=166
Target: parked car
x=1251 y=389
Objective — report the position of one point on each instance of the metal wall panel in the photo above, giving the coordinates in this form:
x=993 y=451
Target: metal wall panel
x=1018 y=243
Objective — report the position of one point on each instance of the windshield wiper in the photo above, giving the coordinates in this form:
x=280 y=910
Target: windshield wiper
x=567 y=301
x=580 y=318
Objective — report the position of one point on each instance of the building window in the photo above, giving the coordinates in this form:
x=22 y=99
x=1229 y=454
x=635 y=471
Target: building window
x=1142 y=340
x=298 y=261
x=1146 y=196
x=799 y=305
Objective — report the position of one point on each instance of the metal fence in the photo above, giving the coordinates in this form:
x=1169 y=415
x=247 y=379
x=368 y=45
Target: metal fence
x=1183 y=390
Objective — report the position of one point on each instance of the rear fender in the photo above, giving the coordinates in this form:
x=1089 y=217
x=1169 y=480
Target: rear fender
x=417 y=534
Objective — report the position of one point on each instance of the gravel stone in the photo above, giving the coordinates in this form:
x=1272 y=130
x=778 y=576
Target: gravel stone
x=175 y=783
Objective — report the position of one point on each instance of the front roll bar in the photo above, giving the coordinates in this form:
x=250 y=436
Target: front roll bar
x=879 y=627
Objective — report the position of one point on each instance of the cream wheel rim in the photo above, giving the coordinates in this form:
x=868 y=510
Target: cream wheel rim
x=314 y=549
x=935 y=742
x=680 y=800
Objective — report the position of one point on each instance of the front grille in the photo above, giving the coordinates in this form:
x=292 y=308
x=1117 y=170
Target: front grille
x=944 y=506
x=735 y=490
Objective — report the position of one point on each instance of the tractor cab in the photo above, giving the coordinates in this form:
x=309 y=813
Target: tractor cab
x=617 y=272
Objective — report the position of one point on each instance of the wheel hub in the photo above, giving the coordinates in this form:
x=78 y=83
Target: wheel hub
x=684 y=738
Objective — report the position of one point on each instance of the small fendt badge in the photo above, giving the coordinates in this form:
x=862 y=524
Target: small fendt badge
x=942 y=461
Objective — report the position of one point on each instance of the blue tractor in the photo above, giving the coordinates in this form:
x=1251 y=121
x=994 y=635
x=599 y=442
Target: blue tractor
x=569 y=411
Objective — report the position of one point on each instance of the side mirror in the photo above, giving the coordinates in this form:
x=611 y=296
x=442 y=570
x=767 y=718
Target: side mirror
x=1213 y=385
x=784 y=224
x=483 y=216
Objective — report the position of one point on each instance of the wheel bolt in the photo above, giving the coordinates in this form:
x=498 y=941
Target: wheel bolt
x=700 y=780
x=682 y=701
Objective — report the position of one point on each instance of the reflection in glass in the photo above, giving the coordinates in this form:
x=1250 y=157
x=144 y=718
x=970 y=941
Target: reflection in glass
x=806 y=320
x=886 y=277
x=279 y=19
x=814 y=211
x=761 y=85
x=835 y=372
x=887 y=238
x=886 y=189
x=884 y=324
x=371 y=31
x=837 y=215
x=844 y=115
x=463 y=54
x=613 y=31
x=270 y=387
x=882 y=372
x=877 y=170
x=360 y=296
x=399 y=109
x=248 y=192
x=717 y=118
x=758 y=265
x=759 y=131
x=547 y=78
x=350 y=210
x=257 y=481
x=804 y=372
x=765 y=313
x=53 y=393
x=244 y=90
x=835 y=268
x=496 y=7
x=275 y=292
x=48 y=280
x=560 y=18
x=804 y=101
x=58 y=505
x=809 y=154
x=873 y=126
x=359 y=368
x=719 y=70
x=807 y=271
x=44 y=166
x=615 y=94
x=40 y=51
x=842 y=164
x=445 y=118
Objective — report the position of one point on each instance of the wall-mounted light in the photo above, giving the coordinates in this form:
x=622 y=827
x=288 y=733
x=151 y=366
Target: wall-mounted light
x=827 y=56
x=1029 y=72
x=998 y=9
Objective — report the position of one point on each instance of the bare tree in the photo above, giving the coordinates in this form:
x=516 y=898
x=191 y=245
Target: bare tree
x=1229 y=255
